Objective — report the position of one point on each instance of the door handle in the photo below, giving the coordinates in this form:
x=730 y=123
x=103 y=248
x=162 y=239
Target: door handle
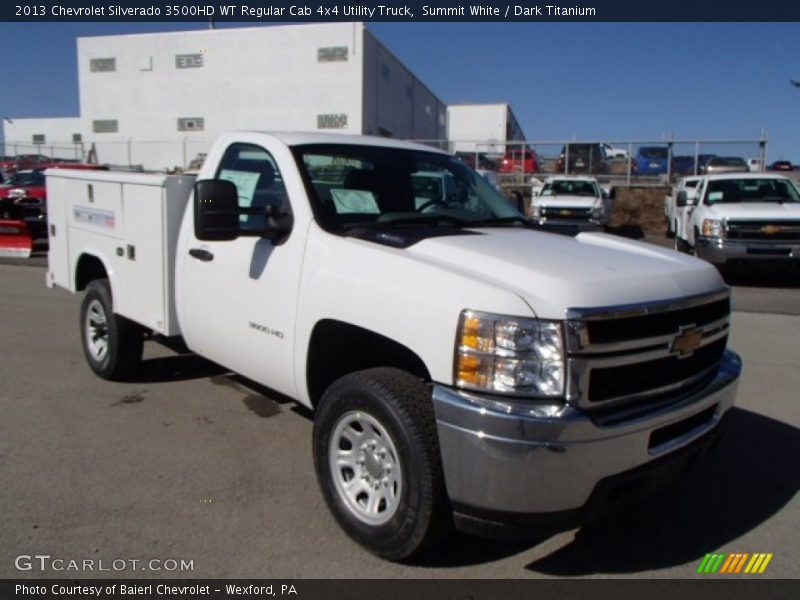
x=201 y=254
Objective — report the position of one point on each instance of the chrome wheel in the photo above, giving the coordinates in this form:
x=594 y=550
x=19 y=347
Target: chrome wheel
x=97 y=331
x=365 y=467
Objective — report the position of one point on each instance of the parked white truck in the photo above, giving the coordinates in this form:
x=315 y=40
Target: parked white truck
x=673 y=213
x=573 y=200
x=465 y=367
x=740 y=219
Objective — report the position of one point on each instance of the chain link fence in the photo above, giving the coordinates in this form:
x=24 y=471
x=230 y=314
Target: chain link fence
x=517 y=163
x=627 y=162
x=160 y=155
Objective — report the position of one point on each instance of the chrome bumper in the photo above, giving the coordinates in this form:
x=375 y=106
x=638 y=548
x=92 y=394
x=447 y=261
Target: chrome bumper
x=512 y=456
x=720 y=251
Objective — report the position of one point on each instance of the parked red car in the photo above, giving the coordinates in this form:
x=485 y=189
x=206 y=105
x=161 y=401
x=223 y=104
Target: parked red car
x=519 y=160
x=781 y=165
x=8 y=164
x=23 y=196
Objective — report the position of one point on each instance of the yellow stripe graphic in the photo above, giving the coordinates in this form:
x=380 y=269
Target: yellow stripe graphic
x=766 y=562
x=754 y=562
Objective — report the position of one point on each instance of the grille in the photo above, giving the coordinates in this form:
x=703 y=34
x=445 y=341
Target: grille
x=637 y=378
x=636 y=354
x=566 y=213
x=645 y=326
x=764 y=230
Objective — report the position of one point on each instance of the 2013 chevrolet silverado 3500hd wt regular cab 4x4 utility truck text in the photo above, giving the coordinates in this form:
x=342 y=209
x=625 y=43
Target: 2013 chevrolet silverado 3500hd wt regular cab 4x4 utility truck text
x=465 y=366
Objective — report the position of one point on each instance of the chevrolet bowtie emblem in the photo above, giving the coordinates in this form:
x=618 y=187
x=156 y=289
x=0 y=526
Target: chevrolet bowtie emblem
x=687 y=341
x=770 y=229
x=565 y=212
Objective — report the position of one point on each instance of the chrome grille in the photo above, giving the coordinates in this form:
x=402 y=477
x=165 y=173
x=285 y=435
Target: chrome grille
x=783 y=230
x=637 y=352
x=553 y=212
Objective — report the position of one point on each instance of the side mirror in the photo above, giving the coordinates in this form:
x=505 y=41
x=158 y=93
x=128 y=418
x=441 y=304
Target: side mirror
x=682 y=199
x=216 y=210
x=611 y=194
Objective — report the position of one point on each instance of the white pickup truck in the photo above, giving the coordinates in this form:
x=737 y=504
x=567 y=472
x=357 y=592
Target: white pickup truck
x=673 y=213
x=572 y=200
x=466 y=367
x=740 y=219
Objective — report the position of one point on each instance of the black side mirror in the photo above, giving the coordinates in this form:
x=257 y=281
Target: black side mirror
x=681 y=200
x=216 y=210
x=612 y=193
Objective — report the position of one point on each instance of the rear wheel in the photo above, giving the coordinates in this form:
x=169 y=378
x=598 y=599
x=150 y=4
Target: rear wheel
x=112 y=344
x=376 y=455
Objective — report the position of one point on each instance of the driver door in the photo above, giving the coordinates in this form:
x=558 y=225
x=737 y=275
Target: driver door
x=240 y=297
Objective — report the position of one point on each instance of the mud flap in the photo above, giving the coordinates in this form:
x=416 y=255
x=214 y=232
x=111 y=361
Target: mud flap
x=15 y=239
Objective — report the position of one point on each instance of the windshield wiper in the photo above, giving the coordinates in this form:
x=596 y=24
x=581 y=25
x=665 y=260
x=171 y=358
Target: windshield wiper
x=495 y=221
x=424 y=220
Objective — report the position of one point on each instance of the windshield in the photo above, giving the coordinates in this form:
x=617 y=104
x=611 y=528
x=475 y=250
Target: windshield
x=27 y=178
x=570 y=188
x=364 y=185
x=728 y=162
x=751 y=190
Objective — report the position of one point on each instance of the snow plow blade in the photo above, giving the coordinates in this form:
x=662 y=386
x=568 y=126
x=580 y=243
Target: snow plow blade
x=15 y=239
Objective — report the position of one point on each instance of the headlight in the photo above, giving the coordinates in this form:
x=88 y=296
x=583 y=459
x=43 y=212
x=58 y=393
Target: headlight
x=597 y=211
x=712 y=228
x=536 y=210
x=509 y=355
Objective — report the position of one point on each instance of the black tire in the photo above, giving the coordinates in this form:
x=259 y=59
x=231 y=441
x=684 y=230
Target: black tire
x=124 y=339
x=680 y=245
x=694 y=249
x=400 y=404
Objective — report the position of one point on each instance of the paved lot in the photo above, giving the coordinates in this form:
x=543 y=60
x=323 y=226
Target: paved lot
x=189 y=463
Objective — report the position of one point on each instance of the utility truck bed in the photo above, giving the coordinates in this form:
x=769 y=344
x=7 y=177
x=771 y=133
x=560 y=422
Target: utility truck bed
x=131 y=220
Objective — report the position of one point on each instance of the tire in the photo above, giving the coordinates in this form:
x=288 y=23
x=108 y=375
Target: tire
x=377 y=428
x=112 y=344
x=680 y=245
x=694 y=249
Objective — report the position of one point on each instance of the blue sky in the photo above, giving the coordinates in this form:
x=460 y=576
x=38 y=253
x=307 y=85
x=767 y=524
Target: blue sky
x=564 y=81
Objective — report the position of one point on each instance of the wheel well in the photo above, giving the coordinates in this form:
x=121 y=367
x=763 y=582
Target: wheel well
x=338 y=348
x=89 y=268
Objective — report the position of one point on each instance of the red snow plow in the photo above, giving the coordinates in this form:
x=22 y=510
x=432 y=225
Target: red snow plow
x=15 y=238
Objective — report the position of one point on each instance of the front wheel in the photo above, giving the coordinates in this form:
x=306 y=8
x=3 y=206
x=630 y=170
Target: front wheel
x=376 y=455
x=112 y=344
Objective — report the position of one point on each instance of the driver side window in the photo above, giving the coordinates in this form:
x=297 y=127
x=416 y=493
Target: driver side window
x=258 y=182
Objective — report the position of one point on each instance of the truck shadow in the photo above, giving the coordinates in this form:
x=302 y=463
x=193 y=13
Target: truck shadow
x=766 y=277
x=182 y=366
x=749 y=477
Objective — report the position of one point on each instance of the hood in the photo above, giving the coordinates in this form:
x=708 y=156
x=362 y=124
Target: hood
x=756 y=211
x=554 y=272
x=566 y=201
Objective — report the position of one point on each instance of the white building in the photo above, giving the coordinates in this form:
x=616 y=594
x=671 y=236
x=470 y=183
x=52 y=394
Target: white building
x=483 y=128
x=160 y=99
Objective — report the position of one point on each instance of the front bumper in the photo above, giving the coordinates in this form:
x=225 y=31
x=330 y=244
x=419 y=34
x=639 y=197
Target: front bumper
x=721 y=251
x=511 y=457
